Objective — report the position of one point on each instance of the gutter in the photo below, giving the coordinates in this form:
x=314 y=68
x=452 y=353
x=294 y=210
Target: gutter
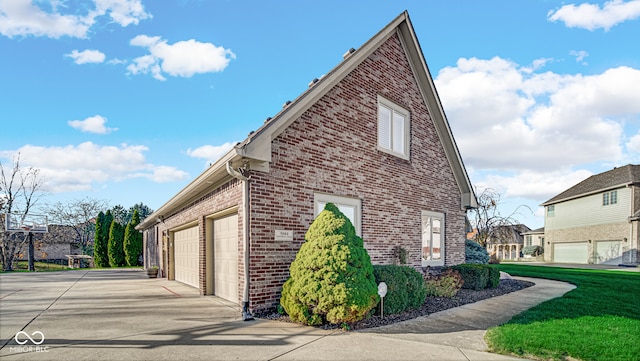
x=246 y=314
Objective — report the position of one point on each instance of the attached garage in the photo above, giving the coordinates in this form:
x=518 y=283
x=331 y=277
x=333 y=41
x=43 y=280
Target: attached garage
x=609 y=252
x=225 y=241
x=186 y=251
x=576 y=252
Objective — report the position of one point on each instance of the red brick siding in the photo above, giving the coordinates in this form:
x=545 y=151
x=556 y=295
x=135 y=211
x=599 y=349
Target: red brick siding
x=332 y=148
x=227 y=196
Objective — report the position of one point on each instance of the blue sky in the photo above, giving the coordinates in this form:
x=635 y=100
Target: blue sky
x=129 y=100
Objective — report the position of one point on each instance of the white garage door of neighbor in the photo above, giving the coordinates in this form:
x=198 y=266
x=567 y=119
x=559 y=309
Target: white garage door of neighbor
x=225 y=240
x=576 y=252
x=185 y=245
x=609 y=252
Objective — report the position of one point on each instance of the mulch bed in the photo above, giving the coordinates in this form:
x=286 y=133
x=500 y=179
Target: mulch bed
x=431 y=305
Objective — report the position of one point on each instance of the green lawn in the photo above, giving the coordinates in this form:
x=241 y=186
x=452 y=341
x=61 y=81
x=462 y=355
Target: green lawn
x=599 y=320
x=22 y=266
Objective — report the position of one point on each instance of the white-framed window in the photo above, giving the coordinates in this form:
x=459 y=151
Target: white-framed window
x=609 y=198
x=393 y=128
x=433 y=237
x=350 y=207
x=551 y=210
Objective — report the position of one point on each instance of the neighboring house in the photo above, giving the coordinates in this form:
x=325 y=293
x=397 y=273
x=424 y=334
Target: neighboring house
x=369 y=136
x=596 y=221
x=55 y=245
x=507 y=241
x=534 y=237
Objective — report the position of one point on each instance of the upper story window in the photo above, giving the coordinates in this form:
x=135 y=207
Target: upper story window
x=350 y=207
x=551 y=210
x=609 y=198
x=393 y=128
x=529 y=240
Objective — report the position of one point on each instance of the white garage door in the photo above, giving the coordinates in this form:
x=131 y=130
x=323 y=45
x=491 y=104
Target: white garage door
x=609 y=252
x=185 y=243
x=225 y=238
x=576 y=252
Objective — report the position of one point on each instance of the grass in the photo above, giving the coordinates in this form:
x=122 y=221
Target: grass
x=23 y=266
x=599 y=320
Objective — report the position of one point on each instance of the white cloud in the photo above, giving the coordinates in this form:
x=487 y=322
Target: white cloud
x=80 y=167
x=210 y=153
x=25 y=17
x=633 y=145
x=592 y=16
x=94 y=124
x=86 y=56
x=580 y=55
x=505 y=118
x=535 y=184
x=183 y=58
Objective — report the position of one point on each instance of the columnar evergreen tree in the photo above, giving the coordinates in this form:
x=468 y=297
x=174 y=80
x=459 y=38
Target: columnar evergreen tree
x=116 y=242
x=132 y=241
x=332 y=276
x=100 y=246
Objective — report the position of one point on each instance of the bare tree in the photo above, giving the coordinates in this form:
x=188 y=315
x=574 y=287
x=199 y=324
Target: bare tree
x=488 y=221
x=20 y=190
x=78 y=215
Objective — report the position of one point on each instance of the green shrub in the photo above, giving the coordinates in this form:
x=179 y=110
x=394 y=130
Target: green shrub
x=494 y=277
x=475 y=276
x=331 y=278
x=446 y=284
x=405 y=288
x=116 y=245
x=532 y=251
x=132 y=241
x=475 y=253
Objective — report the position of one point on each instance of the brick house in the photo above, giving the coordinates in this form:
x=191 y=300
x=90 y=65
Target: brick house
x=369 y=136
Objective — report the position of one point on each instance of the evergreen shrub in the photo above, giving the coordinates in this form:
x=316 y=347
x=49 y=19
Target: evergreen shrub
x=405 y=288
x=445 y=284
x=475 y=253
x=116 y=245
x=331 y=278
x=532 y=251
x=475 y=276
x=494 y=277
x=132 y=241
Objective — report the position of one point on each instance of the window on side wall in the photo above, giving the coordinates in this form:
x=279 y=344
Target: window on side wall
x=350 y=207
x=609 y=198
x=393 y=128
x=551 y=210
x=433 y=239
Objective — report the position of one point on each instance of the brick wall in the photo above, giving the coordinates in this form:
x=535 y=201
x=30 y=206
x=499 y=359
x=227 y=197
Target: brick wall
x=332 y=148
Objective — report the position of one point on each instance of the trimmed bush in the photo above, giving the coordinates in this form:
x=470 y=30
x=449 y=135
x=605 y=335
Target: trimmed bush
x=532 y=251
x=116 y=247
x=475 y=276
x=494 y=277
x=475 y=253
x=100 y=241
x=405 y=288
x=331 y=278
x=446 y=284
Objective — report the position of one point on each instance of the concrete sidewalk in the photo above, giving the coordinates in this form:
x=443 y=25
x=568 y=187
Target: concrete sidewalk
x=122 y=315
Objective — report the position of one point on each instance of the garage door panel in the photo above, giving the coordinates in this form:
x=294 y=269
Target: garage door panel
x=609 y=252
x=186 y=251
x=225 y=234
x=576 y=252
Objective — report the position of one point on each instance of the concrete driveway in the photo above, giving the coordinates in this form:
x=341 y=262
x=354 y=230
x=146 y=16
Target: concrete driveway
x=122 y=315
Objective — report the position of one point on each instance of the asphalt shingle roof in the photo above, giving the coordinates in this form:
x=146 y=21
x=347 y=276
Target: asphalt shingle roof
x=629 y=174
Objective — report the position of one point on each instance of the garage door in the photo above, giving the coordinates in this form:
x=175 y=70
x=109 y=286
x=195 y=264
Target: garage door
x=185 y=243
x=609 y=252
x=570 y=252
x=225 y=238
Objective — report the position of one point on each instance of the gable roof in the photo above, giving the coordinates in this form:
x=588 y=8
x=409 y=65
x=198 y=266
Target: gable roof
x=615 y=178
x=255 y=150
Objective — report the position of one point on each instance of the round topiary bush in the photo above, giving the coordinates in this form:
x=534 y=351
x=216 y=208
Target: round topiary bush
x=475 y=253
x=331 y=278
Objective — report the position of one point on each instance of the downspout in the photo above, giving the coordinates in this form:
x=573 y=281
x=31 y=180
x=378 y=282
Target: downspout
x=246 y=314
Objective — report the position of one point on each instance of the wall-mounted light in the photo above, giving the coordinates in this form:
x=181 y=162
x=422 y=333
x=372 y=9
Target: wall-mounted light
x=160 y=219
x=624 y=239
